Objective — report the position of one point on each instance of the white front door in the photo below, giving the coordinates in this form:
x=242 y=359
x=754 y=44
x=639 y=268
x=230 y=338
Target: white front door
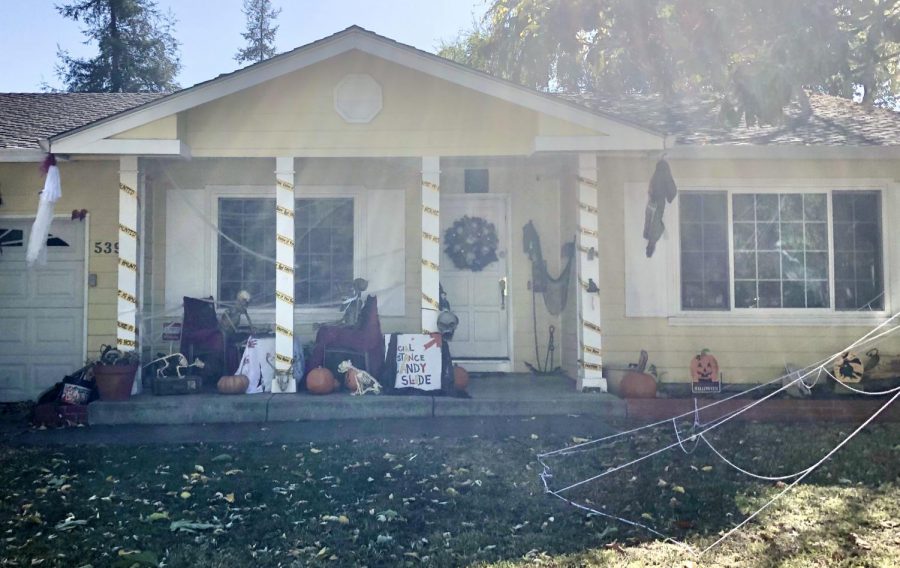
x=476 y=296
x=41 y=309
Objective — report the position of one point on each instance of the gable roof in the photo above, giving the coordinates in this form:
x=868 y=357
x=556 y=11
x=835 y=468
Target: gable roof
x=26 y=119
x=829 y=121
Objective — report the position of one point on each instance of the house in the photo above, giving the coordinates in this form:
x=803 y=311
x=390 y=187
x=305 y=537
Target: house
x=354 y=156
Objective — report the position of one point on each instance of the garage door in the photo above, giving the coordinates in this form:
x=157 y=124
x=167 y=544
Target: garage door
x=41 y=310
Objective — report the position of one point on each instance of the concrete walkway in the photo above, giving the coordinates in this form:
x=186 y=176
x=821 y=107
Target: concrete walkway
x=491 y=396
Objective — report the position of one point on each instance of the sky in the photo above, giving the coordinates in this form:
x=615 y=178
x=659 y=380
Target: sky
x=210 y=32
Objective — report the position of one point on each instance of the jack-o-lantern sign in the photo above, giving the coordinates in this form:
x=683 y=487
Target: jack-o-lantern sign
x=704 y=367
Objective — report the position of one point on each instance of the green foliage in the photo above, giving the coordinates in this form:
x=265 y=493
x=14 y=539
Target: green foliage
x=137 y=51
x=260 y=34
x=756 y=54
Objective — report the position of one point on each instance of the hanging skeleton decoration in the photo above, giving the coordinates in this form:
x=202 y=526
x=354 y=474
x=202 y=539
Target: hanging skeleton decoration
x=662 y=190
x=554 y=290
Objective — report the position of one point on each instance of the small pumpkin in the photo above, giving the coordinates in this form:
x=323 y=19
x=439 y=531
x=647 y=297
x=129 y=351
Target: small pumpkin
x=321 y=381
x=704 y=367
x=460 y=378
x=233 y=384
x=638 y=385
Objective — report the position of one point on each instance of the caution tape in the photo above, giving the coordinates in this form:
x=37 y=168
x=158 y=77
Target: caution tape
x=590 y=182
x=591 y=350
x=284 y=211
x=588 y=208
x=284 y=184
x=431 y=211
x=128 y=190
x=283 y=330
x=284 y=297
x=284 y=267
x=589 y=232
x=128 y=231
x=127 y=264
x=591 y=366
x=430 y=237
x=126 y=327
x=431 y=185
x=591 y=326
x=127 y=297
x=430 y=264
x=429 y=300
x=126 y=342
x=284 y=240
x=284 y=358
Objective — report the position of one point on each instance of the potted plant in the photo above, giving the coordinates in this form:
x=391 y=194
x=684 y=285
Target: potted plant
x=640 y=381
x=114 y=373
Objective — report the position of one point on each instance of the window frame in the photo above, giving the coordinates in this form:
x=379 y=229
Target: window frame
x=778 y=316
x=355 y=192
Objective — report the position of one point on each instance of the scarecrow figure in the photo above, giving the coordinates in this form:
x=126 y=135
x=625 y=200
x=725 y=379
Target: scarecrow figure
x=662 y=190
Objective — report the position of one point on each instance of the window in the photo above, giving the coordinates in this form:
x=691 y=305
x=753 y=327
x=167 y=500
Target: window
x=323 y=249
x=790 y=250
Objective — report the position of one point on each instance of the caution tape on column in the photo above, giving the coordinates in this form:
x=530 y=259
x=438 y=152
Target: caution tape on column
x=284 y=185
x=284 y=211
x=430 y=301
x=590 y=182
x=284 y=297
x=591 y=326
x=429 y=264
x=127 y=297
x=130 y=191
x=431 y=210
x=591 y=366
x=126 y=327
x=283 y=330
x=129 y=265
x=592 y=350
x=283 y=358
x=588 y=208
x=431 y=185
x=284 y=267
x=284 y=240
x=589 y=232
x=430 y=237
x=126 y=342
x=128 y=231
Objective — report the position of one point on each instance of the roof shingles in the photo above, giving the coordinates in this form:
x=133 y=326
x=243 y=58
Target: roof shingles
x=26 y=118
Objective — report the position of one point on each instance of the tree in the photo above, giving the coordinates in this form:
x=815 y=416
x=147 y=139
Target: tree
x=756 y=55
x=260 y=34
x=137 y=51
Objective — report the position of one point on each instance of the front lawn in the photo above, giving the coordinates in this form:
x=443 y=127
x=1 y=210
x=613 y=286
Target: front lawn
x=450 y=502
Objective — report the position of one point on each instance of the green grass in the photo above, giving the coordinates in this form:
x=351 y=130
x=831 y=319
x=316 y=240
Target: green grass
x=449 y=502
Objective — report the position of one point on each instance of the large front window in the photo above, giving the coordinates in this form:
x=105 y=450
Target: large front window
x=799 y=250
x=323 y=249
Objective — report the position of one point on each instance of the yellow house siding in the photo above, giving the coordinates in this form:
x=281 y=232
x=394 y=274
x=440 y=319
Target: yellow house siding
x=163 y=129
x=421 y=115
x=746 y=353
x=85 y=185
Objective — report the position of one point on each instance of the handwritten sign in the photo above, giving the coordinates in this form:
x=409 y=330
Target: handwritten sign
x=418 y=362
x=171 y=331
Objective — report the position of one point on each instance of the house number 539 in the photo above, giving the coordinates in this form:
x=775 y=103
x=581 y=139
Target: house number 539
x=106 y=247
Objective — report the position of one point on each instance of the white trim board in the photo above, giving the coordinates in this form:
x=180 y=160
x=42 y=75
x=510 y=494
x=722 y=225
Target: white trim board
x=354 y=38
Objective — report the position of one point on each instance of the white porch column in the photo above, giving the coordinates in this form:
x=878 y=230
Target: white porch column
x=284 y=262
x=431 y=241
x=589 y=332
x=128 y=303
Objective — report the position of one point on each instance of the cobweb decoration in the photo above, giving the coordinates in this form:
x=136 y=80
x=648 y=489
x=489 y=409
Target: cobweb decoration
x=612 y=474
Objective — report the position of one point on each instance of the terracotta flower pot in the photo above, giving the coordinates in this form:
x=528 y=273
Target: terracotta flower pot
x=638 y=385
x=114 y=382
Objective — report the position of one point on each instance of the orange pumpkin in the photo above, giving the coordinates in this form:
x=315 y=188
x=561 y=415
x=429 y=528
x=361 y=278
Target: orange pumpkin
x=233 y=384
x=704 y=367
x=460 y=378
x=638 y=385
x=321 y=381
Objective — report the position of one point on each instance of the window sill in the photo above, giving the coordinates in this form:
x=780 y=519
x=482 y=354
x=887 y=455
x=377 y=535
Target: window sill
x=869 y=319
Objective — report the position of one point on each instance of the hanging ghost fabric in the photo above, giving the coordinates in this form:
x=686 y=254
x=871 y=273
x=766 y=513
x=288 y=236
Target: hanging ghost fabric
x=37 y=243
x=662 y=190
x=554 y=290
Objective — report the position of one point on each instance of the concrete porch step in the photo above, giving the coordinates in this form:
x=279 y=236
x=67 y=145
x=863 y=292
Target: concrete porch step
x=496 y=395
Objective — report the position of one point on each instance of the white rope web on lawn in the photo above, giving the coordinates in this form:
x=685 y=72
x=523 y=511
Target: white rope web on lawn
x=698 y=433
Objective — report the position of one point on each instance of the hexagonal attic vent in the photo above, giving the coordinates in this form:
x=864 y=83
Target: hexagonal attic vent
x=357 y=98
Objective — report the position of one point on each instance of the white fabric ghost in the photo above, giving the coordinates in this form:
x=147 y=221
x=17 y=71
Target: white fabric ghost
x=37 y=243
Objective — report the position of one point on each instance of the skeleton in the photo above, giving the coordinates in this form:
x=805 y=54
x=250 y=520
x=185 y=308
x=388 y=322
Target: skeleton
x=176 y=360
x=284 y=381
x=365 y=382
